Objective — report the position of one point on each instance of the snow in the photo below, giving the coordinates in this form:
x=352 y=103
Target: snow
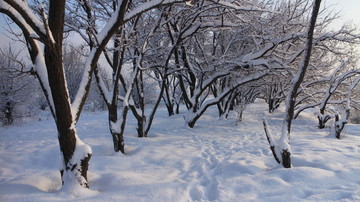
x=217 y=160
x=146 y=6
x=40 y=68
x=115 y=126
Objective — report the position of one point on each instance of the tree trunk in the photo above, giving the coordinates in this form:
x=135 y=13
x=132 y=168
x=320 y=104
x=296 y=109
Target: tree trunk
x=322 y=120
x=283 y=143
x=8 y=111
x=274 y=103
x=170 y=109
x=140 y=128
x=339 y=124
x=299 y=77
x=74 y=169
x=169 y=103
x=118 y=138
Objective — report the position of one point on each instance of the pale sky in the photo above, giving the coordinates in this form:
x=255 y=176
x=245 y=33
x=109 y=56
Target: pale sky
x=349 y=10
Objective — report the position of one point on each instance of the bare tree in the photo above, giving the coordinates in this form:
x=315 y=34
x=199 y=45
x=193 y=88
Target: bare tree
x=282 y=150
x=45 y=27
x=274 y=92
x=340 y=120
x=73 y=67
x=16 y=87
x=48 y=66
x=125 y=47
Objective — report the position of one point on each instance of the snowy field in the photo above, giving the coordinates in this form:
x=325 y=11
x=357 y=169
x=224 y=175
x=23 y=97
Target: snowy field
x=216 y=161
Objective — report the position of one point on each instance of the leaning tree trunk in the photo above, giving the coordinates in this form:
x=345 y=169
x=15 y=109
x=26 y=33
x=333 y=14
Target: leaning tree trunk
x=76 y=154
x=283 y=147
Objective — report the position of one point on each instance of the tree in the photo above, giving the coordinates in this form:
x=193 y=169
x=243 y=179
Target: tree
x=282 y=150
x=207 y=56
x=73 y=67
x=341 y=120
x=47 y=29
x=16 y=86
x=332 y=67
x=147 y=53
x=274 y=92
x=117 y=55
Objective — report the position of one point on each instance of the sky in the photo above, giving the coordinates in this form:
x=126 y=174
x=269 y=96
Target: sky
x=349 y=11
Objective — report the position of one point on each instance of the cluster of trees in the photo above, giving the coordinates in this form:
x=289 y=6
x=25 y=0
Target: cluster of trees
x=192 y=53
x=17 y=89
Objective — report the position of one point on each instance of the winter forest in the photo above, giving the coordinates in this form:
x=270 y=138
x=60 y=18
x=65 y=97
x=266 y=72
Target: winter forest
x=173 y=100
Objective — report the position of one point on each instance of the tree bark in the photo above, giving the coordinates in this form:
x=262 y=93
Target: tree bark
x=118 y=138
x=64 y=120
x=283 y=143
x=299 y=77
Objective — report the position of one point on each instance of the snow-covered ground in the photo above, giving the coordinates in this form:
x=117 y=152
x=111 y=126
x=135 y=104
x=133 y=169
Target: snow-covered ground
x=215 y=161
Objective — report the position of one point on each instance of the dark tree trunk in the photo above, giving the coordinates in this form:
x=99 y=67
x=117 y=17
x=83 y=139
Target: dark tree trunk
x=117 y=136
x=240 y=114
x=168 y=102
x=274 y=103
x=141 y=119
x=283 y=145
x=170 y=109
x=192 y=80
x=8 y=111
x=291 y=100
x=177 y=108
x=140 y=128
x=286 y=160
x=64 y=120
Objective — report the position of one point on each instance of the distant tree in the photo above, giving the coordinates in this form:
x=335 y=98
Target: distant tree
x=246 y=96
x=333 y=66
x=16 y=86
x=74 y=67
x=127 y=47
x=340 y=120
x=274 y=91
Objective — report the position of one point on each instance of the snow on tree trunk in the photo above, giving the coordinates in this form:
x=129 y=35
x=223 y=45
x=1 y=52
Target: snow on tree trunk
x=341 y=121
x=76 y=158
x=239 y=109
x=280 y=150
x=322 y=118
x=115 y=130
